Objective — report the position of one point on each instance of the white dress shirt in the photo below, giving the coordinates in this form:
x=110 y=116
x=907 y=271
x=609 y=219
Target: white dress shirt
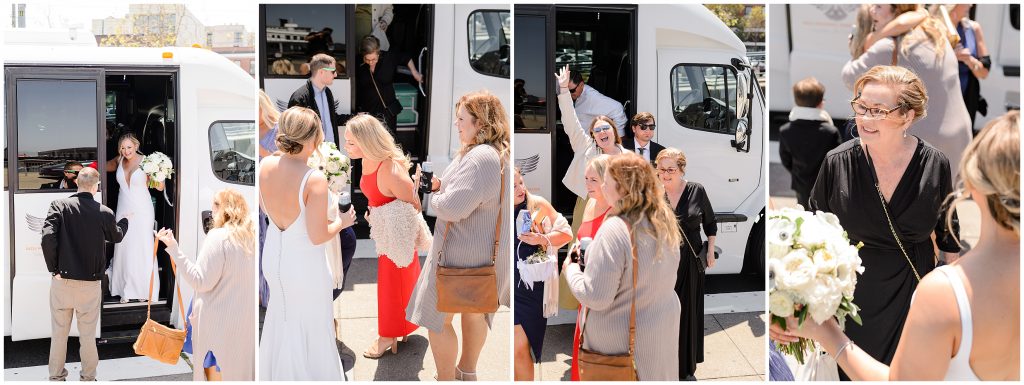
x=644 y=151
x=592 y=104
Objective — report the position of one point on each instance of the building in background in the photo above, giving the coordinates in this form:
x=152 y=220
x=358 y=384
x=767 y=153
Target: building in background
x=17 y=15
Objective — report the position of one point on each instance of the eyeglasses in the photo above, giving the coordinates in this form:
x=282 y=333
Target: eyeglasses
x=648 y=127
x=72 y=172
x=668 y=170
x=329 y=69
x=601 y=128
x=873 y=112
x=573 y=90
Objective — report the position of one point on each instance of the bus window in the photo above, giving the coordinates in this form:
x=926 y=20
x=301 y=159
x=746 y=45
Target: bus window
x=56 y=125
x=704 y=97
x=531 y=80
x=488 y=42
x=233 y=152
x=297 y=32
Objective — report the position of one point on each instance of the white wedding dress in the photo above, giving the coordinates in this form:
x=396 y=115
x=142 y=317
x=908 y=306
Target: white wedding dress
x=133 y=256
x=298 y=341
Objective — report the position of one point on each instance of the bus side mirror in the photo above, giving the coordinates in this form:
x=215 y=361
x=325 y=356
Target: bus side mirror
x=741 y=139
x=207 y=217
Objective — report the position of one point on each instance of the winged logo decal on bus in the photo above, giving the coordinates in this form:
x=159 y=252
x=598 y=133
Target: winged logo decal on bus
x=35 y=223
x=528 y=164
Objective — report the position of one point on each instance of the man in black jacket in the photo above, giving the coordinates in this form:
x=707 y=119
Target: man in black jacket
x=316 y=95
x=807 y=138
x=643 y=131
x=74 y=236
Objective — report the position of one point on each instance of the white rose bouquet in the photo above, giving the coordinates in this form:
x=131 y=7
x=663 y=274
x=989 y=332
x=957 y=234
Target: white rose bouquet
x=333 y=164
x=813 y=271
x=158 y=167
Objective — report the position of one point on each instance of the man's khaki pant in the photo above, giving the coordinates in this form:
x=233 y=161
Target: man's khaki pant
x=69 y=298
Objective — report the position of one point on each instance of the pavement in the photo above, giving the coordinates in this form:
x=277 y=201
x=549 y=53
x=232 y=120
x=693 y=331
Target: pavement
x=27 y=361
x=356 y=310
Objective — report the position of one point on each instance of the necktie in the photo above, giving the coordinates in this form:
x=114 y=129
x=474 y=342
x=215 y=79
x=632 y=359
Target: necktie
x=641 y=151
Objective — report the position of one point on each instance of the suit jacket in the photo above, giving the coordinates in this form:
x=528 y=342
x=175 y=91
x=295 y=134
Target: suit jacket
x=630 y=144
x=803 y=145
x=75 y=233
x=305 y=97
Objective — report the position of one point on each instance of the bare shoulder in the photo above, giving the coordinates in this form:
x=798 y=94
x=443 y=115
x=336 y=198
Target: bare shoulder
x=934 y=302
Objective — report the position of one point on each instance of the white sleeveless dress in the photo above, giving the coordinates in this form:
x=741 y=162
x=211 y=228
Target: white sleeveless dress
x=960 y=365
x=133 y=256
x=298 y=341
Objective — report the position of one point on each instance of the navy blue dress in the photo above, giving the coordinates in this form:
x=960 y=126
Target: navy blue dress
x=529 y=304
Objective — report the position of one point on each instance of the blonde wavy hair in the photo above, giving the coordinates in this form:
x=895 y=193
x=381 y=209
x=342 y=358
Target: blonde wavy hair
x=931 y=26
x=860 y=30
x=297 y=126
x=233 y=215
x=991 y=166
x=599 y=164
x=269 y=114
x=489 y=115
x=375 y=140
x=641 y=197
x=910 y=91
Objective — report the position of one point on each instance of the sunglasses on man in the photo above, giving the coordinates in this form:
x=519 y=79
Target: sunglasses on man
x=647 y=127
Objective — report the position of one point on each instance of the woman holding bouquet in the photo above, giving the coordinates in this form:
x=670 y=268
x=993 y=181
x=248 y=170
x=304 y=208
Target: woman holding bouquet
x=530 y=322
x=594 y=213
x=385 y=179
x=298 y=342
x=632 y=262
x=133 y=263
x=883 y=185
x=693 y=211
x=471 y=210
x=964 y=323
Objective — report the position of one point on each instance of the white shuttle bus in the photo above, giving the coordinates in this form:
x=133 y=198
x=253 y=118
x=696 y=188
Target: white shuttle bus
x=459 y=49
x=71 y=103
x=679 y=62
x=811 y=40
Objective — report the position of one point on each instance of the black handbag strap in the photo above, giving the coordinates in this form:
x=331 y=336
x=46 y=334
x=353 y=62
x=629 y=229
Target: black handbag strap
x=690 y=245
x=374 y=81
x=632 y=304
x=885 y=209
x=497 y=227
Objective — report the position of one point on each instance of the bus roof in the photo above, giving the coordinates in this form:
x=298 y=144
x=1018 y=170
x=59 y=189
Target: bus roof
x=110 y=56
x=689 y=26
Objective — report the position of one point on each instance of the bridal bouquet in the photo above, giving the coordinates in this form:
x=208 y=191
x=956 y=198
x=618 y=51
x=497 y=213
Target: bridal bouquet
x=333 y=164
x=813 y=269
x=158 y=167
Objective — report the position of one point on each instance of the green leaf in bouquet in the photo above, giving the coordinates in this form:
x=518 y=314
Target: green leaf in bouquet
x=801 y=315
x=799 y=221
x=779 y=321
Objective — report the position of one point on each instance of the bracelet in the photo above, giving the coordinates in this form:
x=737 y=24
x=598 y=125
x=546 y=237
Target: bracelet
x=842 y=349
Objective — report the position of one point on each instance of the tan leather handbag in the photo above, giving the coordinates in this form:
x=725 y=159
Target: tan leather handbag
x=596 y=366
x=469 y=289
x=158 y=341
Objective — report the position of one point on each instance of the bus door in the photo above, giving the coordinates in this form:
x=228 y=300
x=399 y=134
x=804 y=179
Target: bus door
x=53 y=118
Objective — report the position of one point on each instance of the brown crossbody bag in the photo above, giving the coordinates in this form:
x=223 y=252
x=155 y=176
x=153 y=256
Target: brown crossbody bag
x=469 y=289
x=596 y=366
x=158 y=341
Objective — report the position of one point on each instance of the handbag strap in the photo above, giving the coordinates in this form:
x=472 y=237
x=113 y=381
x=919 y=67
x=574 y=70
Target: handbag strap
x=895 y=50
x=152 y=274
x=690 y=245
x=497 y=226
x=632 y=305
x=892 y=227
x=374 y=81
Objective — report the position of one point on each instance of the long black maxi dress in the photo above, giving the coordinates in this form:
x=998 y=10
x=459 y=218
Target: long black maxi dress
x=846 y=188
x=529 y=304
x=692 y=211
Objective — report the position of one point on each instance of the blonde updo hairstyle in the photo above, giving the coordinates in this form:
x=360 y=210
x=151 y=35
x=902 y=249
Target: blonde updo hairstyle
x=131 y=138
x=489 y=116
x=298 y=125
x=910 y=91
x=375 y=141
x=233 y=215
x=641 y=197
x=675 y=154
x=991 y=166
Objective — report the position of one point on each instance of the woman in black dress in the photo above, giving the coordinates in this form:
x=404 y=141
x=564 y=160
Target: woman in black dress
x=529 y=303
x=913 y=178
x=375 y=78
x=693 y=211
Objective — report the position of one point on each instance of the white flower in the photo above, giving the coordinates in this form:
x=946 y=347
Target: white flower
x=824 y=261
x=780 y=304
x=150 y=167
x=796 y=271
x=157 y=177
x=780 y=236
x=813 y=233
x=332 y=167
x=336 y=185
x=825 y=299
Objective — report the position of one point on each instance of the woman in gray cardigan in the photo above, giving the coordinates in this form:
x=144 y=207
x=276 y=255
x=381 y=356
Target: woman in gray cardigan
x=605 y=283
x=466 y=198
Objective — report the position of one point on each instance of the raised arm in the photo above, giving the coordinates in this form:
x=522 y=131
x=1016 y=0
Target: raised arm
x=203 y=273
x=901 y=24
x=579 y=138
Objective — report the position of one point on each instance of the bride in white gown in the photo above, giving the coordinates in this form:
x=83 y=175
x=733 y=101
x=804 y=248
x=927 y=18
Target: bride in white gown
x=298 y=341
x=133 y=257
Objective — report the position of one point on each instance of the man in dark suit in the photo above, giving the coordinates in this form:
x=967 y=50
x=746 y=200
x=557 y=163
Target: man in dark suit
x=75 y=233
x=71 y=169
x=643 y=131
x=316 y=95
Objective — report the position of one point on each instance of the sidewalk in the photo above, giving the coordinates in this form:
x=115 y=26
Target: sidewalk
x=734 y=349
x=414 y=362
